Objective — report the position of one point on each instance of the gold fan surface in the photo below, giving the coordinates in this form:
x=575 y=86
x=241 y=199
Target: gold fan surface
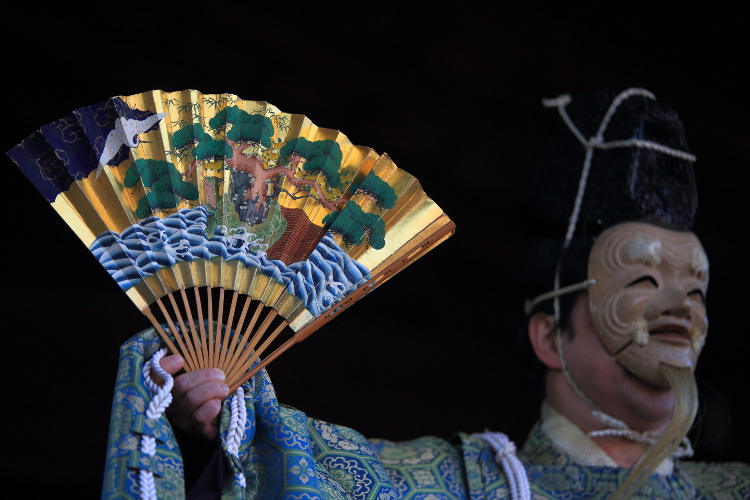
x=229 y=220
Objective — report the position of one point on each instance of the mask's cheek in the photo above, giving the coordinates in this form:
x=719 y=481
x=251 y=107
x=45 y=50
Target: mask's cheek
x=698 y=331
x=618 y=319
x=644 y=360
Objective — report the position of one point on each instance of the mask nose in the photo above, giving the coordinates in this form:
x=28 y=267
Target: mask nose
x=672 y=301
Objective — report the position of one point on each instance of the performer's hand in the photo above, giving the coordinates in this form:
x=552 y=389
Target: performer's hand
x=196 y=398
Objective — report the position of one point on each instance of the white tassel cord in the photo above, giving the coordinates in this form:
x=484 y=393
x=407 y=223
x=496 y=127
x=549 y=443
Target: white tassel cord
x=505 y=456
x=236 y=431
x=159 y=403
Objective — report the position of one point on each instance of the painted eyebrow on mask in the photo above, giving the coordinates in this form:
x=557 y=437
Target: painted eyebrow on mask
x=644 y=279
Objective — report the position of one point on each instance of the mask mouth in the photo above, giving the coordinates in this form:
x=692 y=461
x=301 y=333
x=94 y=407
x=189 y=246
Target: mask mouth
x=666 y=340
x=671 y=331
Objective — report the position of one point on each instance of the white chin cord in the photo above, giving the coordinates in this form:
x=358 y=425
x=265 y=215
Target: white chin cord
x=615 y=427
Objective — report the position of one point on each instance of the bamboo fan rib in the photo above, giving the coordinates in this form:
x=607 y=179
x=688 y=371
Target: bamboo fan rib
x=236 y=228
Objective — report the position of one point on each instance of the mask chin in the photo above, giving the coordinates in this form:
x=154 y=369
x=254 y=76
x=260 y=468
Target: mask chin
x=643 y=360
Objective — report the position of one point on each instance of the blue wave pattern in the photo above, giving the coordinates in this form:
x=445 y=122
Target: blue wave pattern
x=156 y=243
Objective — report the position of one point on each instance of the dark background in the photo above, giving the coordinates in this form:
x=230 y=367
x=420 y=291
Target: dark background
x=453 y=95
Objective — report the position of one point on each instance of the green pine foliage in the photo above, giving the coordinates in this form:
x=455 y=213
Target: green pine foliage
x=187 y=136
x=378 y=189
x=165 y=187
x=212 y=150
x=322 y=158
x=354 y=225
x=245 y=127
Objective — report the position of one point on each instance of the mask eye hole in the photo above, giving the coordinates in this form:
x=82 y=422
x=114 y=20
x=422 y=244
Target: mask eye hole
x=648 y=280
x=698 y=293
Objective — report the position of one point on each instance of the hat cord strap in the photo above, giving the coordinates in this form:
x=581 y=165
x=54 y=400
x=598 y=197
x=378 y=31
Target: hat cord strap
x=617 y=427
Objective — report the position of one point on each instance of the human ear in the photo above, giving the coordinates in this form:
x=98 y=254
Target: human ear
x=543 y=337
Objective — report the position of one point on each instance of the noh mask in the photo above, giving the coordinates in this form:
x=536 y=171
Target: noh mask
x=648 y=302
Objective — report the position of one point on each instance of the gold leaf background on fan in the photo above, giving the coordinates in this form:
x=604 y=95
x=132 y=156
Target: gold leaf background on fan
x=213 y=211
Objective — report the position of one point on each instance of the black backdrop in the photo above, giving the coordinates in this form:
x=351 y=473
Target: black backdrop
x=453 y=94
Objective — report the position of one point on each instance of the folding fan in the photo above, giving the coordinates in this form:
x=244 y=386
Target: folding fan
x=229 y=220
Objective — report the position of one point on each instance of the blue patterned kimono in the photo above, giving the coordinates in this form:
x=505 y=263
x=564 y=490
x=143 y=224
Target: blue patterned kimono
x=284 y=454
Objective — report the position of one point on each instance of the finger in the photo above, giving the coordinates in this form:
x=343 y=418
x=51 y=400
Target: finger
x=205 y=419
x=206 y=391
x=172 y=364
x=198 y=410
x=192 y=400
x=186 y=382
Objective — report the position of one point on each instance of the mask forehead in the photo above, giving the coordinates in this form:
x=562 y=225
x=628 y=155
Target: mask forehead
x=645 y=273
x=632 y=249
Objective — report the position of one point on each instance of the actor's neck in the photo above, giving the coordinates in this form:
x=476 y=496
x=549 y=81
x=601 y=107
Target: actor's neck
x=623 y=451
